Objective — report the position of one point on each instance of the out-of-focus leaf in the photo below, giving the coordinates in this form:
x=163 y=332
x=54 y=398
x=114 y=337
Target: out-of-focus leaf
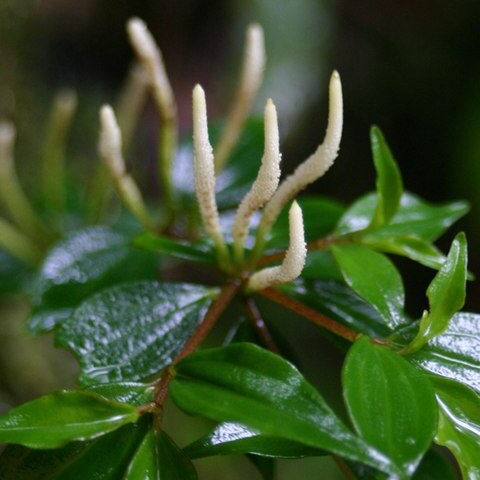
x=233 y=438
x=414 y=217
x=340 y=303
x=136 y=394
x=131 y=331
x=459 y=424
x=391 y=404
x=446 y=294
x=374 y=277
x=389 y=180
x=321 y=265
x=244 y=384
x=54 y=420
x=266 y=466
x=13 y=273
x=82 y=264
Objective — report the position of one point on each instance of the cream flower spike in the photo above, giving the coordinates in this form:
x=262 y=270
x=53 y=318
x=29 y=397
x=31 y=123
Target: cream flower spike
x=110 y=149
x=250 y=80
x=294 y=260
x=205 y=174
x=265 y=184
x=151 y=58
x=313 y=167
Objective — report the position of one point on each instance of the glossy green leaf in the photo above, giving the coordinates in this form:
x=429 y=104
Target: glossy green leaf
x=233 y=438
x=411 y=247
x=414 y=217
x=389 y=180
x=144 y=465
x=459 y=424
x=446 y=294
x=374 y=277
x=340 y=303
x=136 y=394
x=80 y=265
x=391 y=404
x=54 y=420
x=174 y=248
x=132 y=331
x=245 y=384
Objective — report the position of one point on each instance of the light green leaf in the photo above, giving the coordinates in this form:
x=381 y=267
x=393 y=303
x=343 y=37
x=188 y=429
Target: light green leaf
x=391 y=404
x=389 y=180
x=374 y=277
x=136 y=394
x=54 y=420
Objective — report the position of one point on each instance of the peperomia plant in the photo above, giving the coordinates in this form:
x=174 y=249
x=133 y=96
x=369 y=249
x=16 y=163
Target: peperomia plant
x=135 y=296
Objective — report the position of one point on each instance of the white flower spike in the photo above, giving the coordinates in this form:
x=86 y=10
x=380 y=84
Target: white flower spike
x=250 y=80
x=312 y=168
x=205 y=174
x=265 y=184
x=294 y=260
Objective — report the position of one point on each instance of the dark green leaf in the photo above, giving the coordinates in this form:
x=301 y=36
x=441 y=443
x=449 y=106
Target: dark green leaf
x=174 y=248
x=414 y=217
x=80 y=265
x=392 y=405
x=13 y=274
x=266 y=466
x=321 y=265
x=133 y=330
x=244 y=384
x=374 y=277
x=136 y=394
x=340 y=303
x=54 y=420
x=446 y=294
x=144 y=465
x=389 y=180
x=234 y=438
x=459 y=424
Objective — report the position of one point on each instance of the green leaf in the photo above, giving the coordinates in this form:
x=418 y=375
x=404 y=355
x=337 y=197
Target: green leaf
x=265 y=466
x=446 y=294
x=136 y=394
x=414 y=217
x=54 y=420
x=132 y=331
x=174 y=248
x=244 y=384
x=411 y=247
x=459 y=424
x=374 y=277
x=391 y=404
x=14 y=274
x=159 y=458
x=233 y=438
x=321 y=265
x=340 y=303
x=389 y=180
x=80 y=265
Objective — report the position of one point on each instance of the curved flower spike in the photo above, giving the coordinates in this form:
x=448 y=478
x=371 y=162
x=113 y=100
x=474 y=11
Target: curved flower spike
x=110 y=148
x=265 y=184
x=205 y=174
x=151 y=58
x=294 y=260
x=250 y=80
x=312 y=168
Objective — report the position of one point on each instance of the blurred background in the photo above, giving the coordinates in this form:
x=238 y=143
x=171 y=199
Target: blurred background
x=411 y=67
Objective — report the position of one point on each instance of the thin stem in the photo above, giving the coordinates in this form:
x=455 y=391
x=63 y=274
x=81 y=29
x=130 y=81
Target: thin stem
x=259 y=325
x=310 y=314
x=223 y=300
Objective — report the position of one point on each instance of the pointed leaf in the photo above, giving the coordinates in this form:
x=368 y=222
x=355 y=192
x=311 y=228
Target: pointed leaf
x=446 y=294
x=389 y=180
x=392 y=405
x=459 y=424
x=374 y=277
x=132 y=331
x=54 y=420
x=244 y=384
x=136 y=394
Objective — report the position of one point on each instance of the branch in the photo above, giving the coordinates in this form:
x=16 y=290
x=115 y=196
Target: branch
x=259 y=325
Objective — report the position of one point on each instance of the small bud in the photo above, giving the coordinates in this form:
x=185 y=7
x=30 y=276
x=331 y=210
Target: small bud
x=294 y=260
x=111 y=141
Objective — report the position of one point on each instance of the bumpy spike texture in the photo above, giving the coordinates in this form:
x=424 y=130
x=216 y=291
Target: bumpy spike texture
x=111 y=141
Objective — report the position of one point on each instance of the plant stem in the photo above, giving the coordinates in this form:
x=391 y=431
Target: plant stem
x=260 y=327
x=310 y=314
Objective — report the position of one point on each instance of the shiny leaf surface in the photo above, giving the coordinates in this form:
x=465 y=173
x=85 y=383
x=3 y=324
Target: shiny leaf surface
x=54 y=420
x=244 y=384
x=374 y=277
x=391 y=404
x=136 y=394
x=389 y=181
x=459 y=424
x=133 y=330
